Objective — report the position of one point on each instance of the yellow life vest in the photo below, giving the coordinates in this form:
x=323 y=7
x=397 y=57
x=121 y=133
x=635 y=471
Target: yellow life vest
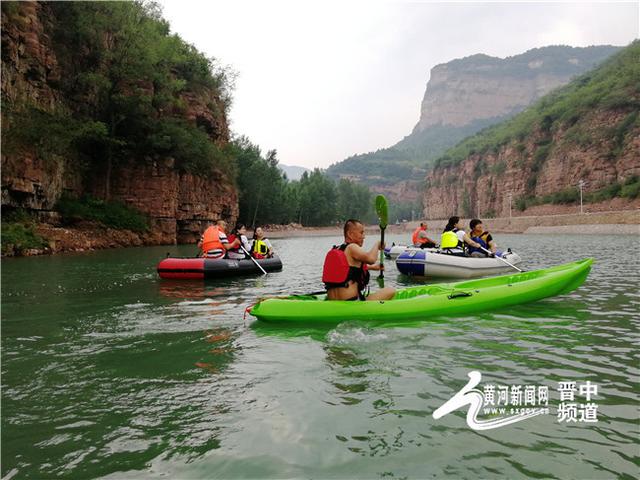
x=449 y=240
x=259 y=248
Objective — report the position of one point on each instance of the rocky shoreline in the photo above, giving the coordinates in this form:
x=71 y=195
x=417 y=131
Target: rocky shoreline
x=88 y=236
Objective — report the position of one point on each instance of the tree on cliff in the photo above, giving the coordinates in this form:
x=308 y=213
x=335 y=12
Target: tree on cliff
x=131 y=81
x=125 y=91
x=125 y=86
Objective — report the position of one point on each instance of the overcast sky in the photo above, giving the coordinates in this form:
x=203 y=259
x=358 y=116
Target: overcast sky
x=321 y=81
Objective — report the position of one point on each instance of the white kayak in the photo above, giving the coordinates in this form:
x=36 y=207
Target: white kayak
x=394 y=250
x=433 y=263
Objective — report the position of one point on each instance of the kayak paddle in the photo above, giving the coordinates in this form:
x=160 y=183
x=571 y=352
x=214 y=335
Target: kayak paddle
x=382 y=209
x=498 y=256
x=254 y=260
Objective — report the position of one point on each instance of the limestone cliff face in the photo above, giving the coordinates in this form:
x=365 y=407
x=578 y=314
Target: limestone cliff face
x=178 y=204
x=406 y=191
x=457 y=98
x=483 y=183
x=463 y=97
x=482 y=87
x=30 y=73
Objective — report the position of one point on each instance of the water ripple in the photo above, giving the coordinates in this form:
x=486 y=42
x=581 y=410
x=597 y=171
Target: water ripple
x=109 y=372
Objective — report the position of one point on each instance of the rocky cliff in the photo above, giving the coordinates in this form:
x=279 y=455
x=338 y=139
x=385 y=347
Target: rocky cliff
x=486 y=185
x=589 y=130
x=463 y=97
x=177 y=202
x=481 y=87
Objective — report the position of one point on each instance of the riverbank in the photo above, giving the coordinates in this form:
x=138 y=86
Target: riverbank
x=621 y=222
x=89 y=236
x=596 y=223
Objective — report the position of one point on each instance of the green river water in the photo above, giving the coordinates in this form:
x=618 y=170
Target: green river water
x=110 y=372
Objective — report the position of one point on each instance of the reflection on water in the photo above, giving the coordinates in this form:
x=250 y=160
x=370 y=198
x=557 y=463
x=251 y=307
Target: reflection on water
x=190 y=289
x=107 y=371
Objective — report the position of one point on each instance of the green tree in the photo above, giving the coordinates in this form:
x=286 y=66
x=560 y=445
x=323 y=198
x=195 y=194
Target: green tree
x=261 y=185
x=122 y=70
x=354 y=201
x=266 y=196
x=317 y=199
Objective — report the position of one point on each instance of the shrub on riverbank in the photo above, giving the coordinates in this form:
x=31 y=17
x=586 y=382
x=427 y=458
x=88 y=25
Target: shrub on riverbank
x=111 y=214
x=630 y=188
x=18 y=234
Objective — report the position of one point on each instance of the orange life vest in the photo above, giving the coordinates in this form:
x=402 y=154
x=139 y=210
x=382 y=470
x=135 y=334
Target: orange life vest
x=211 y=239
x=414 y=238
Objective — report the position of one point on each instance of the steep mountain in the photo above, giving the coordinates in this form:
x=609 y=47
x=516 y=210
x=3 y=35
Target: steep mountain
x=100 y=101
x=587 y=130
x=463 y=97
x=483 y=87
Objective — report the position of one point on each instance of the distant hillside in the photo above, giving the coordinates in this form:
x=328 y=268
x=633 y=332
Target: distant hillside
x=588 y=129
x=463 y=97
x=293 y=172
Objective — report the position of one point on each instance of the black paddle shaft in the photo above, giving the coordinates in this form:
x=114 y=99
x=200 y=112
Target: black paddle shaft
x=381 y=252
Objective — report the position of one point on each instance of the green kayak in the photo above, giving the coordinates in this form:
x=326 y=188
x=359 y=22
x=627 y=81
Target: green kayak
x=430 y=300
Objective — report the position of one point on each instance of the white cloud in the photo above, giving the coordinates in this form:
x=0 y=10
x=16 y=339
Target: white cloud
x=326 y=80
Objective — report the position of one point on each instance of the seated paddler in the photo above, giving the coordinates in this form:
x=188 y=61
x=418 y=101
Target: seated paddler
x=214 y=243
x=483 y=239
x=243 y=247
x=454 y=240
x=420 y=237
x=261 y=246
x=346 y=267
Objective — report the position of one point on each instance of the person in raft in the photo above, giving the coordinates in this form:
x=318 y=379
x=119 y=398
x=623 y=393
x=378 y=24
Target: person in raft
x=346 y=267
x=454 y=239
x=240 y=233
x=261 y=246
x=214 y=242
x=420 y=238
x=484 y=239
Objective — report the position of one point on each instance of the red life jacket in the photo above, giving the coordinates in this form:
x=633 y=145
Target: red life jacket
x=337 y=272
x=231 y=238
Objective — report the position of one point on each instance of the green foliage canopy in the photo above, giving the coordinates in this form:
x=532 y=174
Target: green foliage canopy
x=266 y=196
x=123 y=80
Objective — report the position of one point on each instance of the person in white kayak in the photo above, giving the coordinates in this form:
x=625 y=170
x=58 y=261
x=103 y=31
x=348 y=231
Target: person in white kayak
x=483 y=238
x=454 y=239
x=420 y=238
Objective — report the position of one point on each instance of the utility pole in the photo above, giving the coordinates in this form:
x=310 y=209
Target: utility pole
x=510 y=197
x=581 y=185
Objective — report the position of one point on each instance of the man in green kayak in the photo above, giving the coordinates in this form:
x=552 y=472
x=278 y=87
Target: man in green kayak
x=346 y=267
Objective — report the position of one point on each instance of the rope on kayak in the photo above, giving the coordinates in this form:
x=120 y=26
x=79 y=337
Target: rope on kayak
x=248 y=310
